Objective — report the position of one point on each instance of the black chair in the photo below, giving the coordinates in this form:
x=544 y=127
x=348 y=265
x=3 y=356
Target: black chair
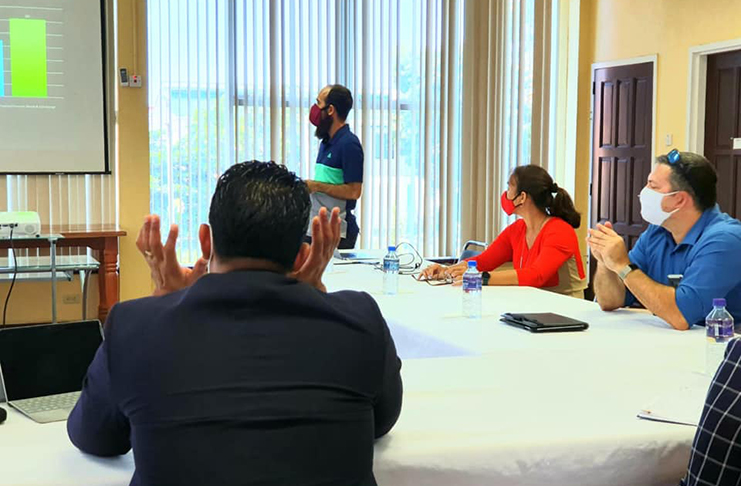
x=468 y=253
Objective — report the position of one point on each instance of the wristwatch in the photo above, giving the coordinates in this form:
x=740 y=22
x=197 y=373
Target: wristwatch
x=485 y=278
x=623 y=273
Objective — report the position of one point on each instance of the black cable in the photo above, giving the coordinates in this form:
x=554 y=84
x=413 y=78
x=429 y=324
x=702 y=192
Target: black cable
x=15 y=274
x=405 y=268
x=411 y=267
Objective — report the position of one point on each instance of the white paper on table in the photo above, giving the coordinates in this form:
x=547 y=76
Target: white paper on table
x=682 y=405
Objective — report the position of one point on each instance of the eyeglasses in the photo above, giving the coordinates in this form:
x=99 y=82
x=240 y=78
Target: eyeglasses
x=674 y=156
x=447 y=280
x=675 y=160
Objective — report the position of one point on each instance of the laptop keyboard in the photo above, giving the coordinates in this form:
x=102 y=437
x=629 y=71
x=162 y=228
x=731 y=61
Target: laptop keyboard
x=45 y=404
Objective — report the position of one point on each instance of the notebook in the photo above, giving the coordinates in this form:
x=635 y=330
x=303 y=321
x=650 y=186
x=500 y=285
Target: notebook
x=42 y=366
x=543 y=322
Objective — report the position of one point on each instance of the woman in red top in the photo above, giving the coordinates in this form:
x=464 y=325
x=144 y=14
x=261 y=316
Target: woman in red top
x=542 y=244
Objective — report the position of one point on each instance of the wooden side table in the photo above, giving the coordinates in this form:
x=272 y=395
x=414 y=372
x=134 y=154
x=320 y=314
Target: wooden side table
x=102 y=239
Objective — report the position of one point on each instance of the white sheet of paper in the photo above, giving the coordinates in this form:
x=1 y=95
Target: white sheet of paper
x=682 y=405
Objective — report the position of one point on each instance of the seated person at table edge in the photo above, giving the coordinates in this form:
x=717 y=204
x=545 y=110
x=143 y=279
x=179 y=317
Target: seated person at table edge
x=687 y=236
x=542 y=244
x=252 y=373
x=716 y=452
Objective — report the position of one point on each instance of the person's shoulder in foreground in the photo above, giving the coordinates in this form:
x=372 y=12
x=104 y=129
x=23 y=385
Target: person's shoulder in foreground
x=716 y=450
x=251 y=374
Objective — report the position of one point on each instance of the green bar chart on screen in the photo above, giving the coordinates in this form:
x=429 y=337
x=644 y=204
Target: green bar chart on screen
x=2 y=69
x=28 y=73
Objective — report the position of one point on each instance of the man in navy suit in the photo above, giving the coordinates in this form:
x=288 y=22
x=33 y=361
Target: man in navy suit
x=250 y=373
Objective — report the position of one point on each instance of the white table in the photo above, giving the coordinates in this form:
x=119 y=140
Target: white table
x=514 y=408
x=484 y=403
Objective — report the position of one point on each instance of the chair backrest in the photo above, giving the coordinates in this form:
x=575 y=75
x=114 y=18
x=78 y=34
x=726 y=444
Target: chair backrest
x=470 y=253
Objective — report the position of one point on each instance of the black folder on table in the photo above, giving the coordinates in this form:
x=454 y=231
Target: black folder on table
x=544 y=322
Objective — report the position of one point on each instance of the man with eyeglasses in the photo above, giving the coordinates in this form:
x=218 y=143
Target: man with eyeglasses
x=689 y=255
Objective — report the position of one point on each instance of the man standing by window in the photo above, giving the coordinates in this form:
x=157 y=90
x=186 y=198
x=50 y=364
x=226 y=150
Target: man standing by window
x=338 y=174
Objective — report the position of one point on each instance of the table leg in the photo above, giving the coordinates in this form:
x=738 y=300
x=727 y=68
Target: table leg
x=53 y=255
x=108 y=277
x=84 y=280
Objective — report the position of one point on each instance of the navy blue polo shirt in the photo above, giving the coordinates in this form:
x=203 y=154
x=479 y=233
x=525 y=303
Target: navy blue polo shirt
x=709 y=259
x=340 y=161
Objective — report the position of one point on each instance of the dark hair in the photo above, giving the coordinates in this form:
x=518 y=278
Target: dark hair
x=341 y=98
x=259 y=210
x=547 y=196
x=695 y=175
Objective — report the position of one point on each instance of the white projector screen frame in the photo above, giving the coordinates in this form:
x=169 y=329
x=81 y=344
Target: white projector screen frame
x=55 y=121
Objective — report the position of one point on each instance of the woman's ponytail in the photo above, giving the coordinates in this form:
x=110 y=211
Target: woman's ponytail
x=563 y=207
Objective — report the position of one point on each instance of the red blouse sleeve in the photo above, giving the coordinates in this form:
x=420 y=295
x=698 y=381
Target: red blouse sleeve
x=557 y=246
x=499 y=252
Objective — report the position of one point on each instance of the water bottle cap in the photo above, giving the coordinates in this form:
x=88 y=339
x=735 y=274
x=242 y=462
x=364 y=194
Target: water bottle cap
x=471 y=264
x=719 y=302
x=392 y=248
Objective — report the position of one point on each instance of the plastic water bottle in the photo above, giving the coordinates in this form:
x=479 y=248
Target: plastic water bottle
x=391 y=272
x=472 y=292
x=719 y=330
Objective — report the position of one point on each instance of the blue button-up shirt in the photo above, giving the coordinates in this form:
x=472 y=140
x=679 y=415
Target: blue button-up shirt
x=709 y=259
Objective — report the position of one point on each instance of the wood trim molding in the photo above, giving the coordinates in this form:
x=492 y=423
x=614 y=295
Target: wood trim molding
x=696 y=90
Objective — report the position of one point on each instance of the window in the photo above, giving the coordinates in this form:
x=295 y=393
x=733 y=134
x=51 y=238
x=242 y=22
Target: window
x=234 y=80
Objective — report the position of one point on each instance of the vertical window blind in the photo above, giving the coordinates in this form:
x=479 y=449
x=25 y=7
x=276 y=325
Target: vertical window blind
x=233 y=80
x=508 y=104
x=61 y=200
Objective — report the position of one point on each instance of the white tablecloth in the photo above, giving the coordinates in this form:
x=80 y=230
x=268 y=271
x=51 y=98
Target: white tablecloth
x=484 y=403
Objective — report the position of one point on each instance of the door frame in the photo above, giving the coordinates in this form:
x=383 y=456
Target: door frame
x=652 y=58
x=697 y=90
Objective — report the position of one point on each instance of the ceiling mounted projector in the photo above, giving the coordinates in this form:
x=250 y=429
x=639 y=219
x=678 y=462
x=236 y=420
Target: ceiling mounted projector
x=23 y=223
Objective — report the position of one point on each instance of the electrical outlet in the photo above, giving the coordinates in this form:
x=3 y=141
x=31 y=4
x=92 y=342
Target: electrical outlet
x=71 y=299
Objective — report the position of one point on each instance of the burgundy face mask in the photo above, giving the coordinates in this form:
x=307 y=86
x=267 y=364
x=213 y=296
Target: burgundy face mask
x=315 y=115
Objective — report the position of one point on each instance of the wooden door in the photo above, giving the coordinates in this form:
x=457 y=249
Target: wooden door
x=723 y=125
x=622 y=119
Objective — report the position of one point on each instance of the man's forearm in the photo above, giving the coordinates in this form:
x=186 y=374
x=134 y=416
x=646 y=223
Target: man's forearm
x=659 y=299
x=345 y=192
x=608 y=288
